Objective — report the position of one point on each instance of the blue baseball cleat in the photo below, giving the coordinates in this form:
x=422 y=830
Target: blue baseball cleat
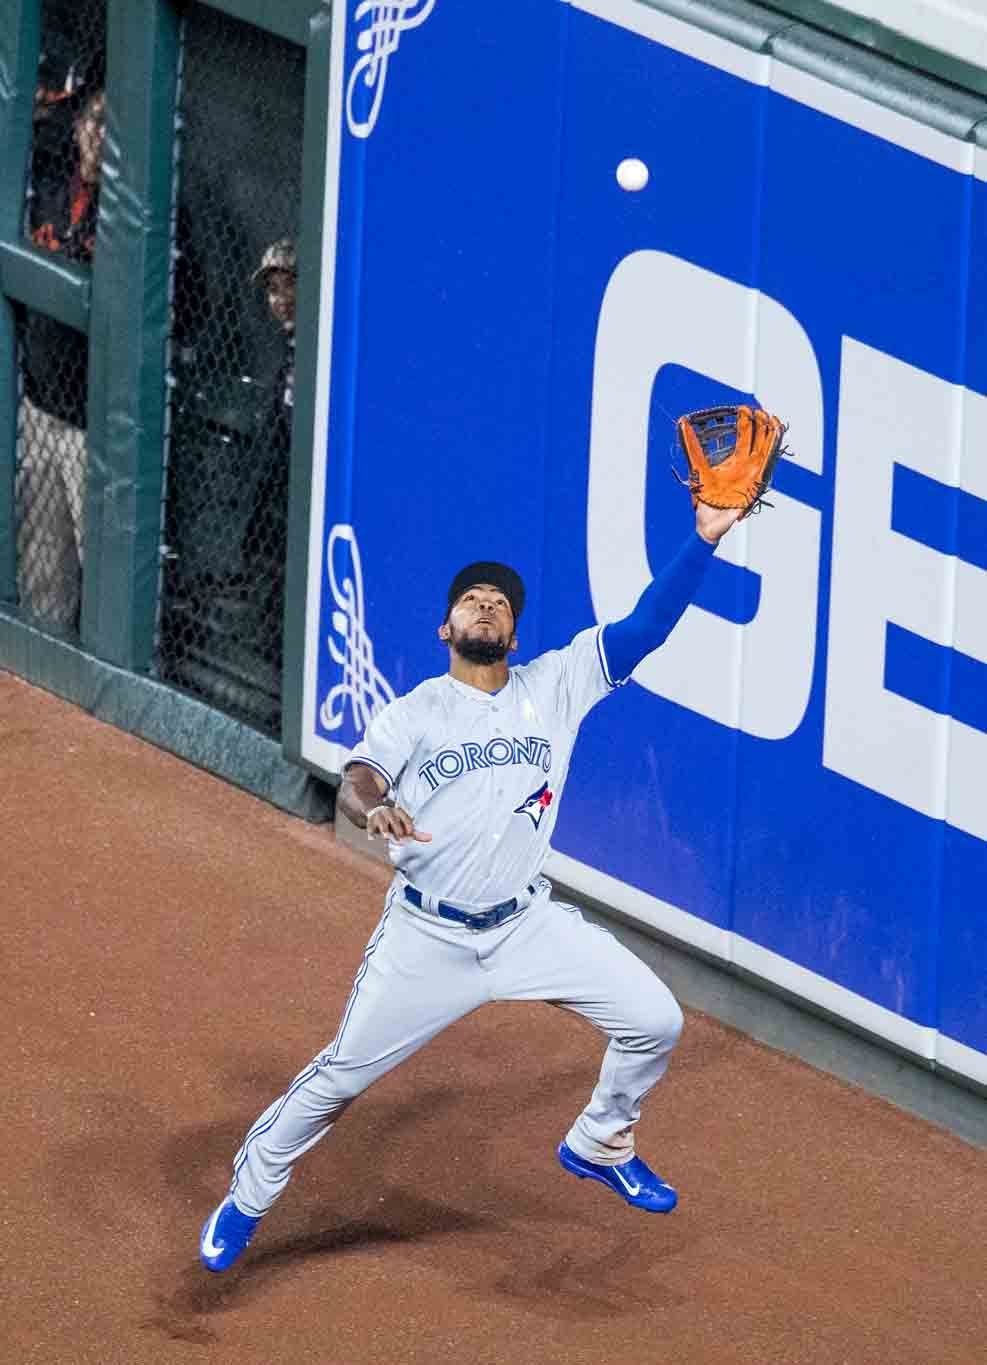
x=225 y=1234
x=633 y=1180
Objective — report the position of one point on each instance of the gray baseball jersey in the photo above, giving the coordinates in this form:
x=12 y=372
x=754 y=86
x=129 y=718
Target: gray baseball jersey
x=483 y=773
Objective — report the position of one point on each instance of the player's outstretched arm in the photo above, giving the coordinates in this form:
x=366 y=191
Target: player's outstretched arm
x=666 y=597
x=712 y=523
x=361 y=798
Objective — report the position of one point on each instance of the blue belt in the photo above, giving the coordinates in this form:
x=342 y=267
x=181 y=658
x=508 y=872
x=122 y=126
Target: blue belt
x=482 y=919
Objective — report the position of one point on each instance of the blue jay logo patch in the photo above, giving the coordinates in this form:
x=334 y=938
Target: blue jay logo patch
x=536 y=804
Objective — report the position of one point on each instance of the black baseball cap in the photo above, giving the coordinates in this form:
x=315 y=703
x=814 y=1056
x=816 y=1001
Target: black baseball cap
x=500 y=576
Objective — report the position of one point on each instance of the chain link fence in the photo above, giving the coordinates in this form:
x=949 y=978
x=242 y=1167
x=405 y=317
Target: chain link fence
x=232 y=349
x=61 y=209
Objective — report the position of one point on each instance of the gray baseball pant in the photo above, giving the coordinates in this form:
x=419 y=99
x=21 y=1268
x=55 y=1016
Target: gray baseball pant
x=51 y=486
x=420 y=974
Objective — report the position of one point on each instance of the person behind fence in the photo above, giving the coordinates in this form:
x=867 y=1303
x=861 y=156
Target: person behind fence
x=66 y=78
x=51 y=473
x=267 y=531
x=277 y=276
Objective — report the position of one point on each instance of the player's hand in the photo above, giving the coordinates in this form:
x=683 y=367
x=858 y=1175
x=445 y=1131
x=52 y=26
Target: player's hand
x=391 y=822
x=713 y=523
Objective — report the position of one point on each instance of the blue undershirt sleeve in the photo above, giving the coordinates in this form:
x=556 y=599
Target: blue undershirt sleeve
x=658 y=609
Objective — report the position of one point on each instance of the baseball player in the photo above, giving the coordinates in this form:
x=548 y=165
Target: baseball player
x=463 y=777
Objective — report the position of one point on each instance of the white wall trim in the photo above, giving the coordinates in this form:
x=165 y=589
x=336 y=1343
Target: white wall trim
x=313 y=748
x=762 y=69
x=965 y=1061
x=922 y=1041
x=681 y=36
x=641 y=906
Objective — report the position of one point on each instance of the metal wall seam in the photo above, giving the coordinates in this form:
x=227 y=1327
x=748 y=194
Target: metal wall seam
x=837 y=60
x=914 y=94
x=741 y=21
x=878 y=37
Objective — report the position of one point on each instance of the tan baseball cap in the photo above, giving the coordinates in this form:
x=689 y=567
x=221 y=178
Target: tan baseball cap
x=279 y=255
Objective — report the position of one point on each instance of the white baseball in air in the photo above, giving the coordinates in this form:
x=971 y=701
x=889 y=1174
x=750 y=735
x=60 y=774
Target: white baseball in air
x=632 y=174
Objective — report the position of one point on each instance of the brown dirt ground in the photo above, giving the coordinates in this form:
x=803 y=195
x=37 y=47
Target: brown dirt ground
x=175 y=951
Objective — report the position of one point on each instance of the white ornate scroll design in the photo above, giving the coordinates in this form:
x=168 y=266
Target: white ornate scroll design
x=363 y=685
x=378 y=43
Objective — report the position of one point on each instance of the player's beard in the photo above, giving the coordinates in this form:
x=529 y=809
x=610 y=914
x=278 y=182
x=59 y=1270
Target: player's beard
x=479 y=649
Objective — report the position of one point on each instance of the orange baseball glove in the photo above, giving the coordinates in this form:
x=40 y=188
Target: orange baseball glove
x=731 y=453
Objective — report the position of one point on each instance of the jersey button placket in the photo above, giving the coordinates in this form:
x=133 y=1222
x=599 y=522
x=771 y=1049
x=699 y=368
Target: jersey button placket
x=496 y=788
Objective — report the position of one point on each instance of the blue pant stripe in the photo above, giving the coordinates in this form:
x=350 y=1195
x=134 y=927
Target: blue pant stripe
x=371 y=948
x=259 y=1128
x=262 y=1126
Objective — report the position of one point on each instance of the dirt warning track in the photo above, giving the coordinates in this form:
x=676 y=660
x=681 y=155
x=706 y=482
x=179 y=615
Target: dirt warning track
x=175 y=951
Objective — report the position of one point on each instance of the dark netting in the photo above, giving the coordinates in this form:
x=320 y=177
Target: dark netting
x=225 y=522
x=60 y=217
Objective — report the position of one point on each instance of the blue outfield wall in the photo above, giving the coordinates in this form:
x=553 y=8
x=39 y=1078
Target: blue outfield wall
x=797 y=781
